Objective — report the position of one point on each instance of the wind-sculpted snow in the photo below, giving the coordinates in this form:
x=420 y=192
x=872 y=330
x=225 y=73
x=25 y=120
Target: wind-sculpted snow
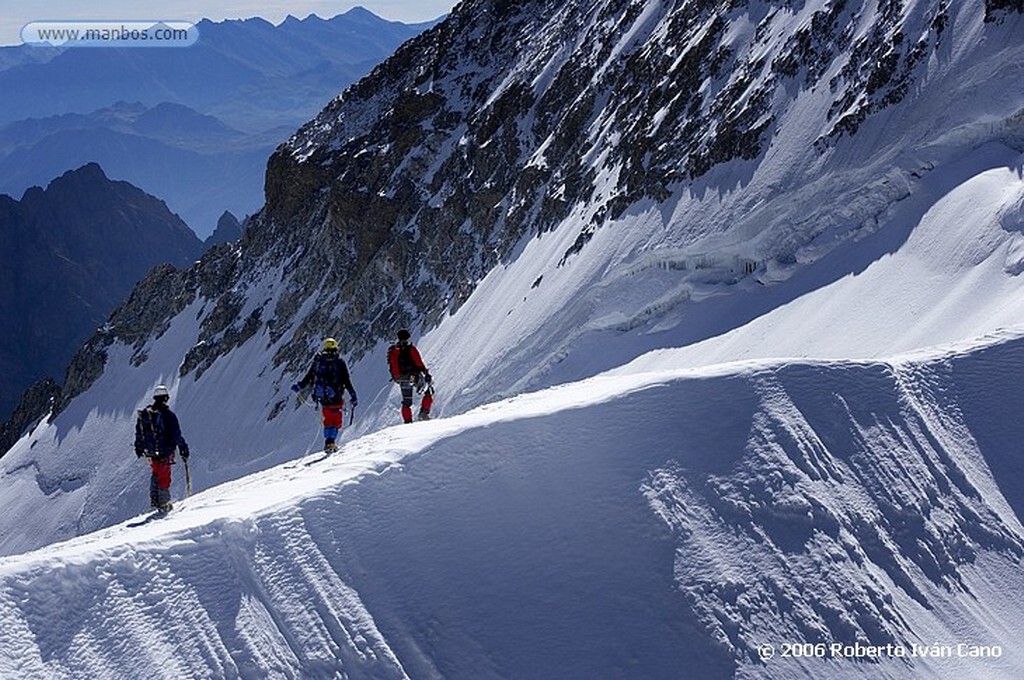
x=638 y=524
x=223 y=603
x=855 y=481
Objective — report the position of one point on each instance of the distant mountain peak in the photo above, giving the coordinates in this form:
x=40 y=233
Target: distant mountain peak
x=90 y=172
x=360 y=12
x=228 y=229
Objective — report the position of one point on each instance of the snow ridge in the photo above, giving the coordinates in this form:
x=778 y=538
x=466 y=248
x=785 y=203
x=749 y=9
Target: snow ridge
x=633 y=522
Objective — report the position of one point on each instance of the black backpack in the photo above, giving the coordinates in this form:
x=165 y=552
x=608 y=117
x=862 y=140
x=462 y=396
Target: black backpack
x=149 y=432
x=403 y=359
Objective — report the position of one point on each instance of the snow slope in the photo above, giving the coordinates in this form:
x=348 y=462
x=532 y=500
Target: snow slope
x=644 y=524
x=920 y=244
x=919 y=219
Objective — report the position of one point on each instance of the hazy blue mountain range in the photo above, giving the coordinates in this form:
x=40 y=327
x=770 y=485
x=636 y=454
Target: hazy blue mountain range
x=69 y=254
x=170 y=123
x=195 y=162
x=19 y=55
x=248 y=71
x=193 y=125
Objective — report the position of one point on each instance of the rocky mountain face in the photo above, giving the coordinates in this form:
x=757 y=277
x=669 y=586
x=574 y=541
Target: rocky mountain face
x=69 y=254
x=35 y=401
x=510 y=119
x=501 y=123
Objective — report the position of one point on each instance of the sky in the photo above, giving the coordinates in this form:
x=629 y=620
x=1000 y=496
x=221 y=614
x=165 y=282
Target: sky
x=14 y=14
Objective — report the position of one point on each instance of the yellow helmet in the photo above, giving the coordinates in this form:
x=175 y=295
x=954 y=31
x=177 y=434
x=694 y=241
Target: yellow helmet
x=330 y=343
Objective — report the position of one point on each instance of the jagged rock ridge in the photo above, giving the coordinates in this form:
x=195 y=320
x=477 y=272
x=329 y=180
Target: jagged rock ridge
x=228 y=229
x=497 y=125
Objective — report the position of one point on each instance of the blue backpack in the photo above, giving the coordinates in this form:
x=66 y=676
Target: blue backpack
x=328 y=375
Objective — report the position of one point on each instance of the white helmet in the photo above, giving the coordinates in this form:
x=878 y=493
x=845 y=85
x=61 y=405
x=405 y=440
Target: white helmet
x=160 y=391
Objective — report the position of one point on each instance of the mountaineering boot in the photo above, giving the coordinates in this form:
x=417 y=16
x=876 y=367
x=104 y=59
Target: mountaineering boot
x=165 y=507
x=424 y=415
x=330 y=446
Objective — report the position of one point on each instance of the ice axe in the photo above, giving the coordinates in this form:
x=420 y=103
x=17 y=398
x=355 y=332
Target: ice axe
x=188 y=478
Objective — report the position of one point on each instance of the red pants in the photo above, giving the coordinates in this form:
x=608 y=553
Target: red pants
x=333 y=416
x=160 y=480
x=161 y=471
x=407 y=386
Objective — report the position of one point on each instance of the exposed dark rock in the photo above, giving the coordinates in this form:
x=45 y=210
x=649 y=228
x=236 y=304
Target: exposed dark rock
x=995 y=8
x=35 y=403
x=882 y=65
